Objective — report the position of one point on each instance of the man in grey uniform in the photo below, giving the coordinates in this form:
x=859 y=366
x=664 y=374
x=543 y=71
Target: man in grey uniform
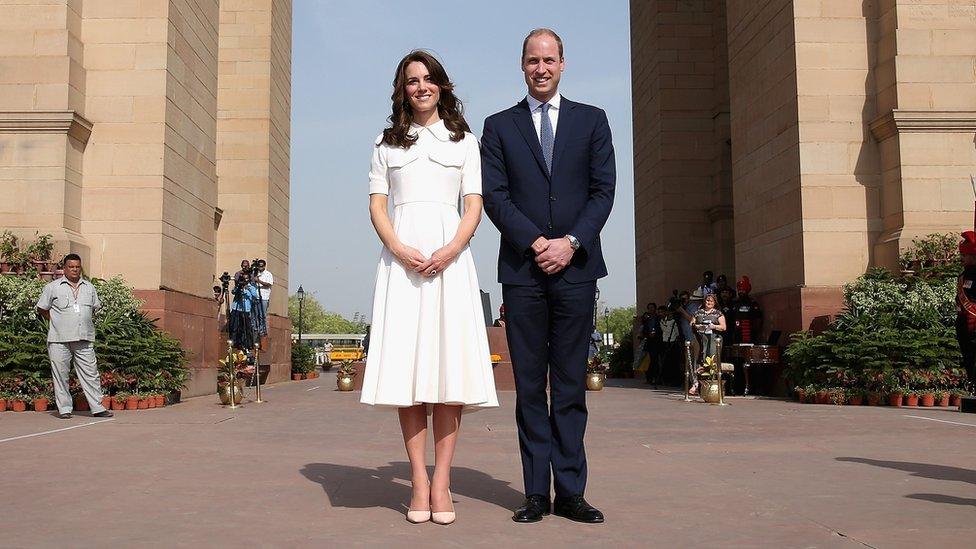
x=69 y=304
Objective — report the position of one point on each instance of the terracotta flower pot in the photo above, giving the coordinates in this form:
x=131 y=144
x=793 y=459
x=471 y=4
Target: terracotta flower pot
x=296 y=377
x=142 y=403
x=911 y=400
x=822 y=397
x=800 y=396
x=40 y=404
x=3 y=405
x=106 y=402
x=874 y=399
x=160 y=401
x=955 y=400
x=18 y=406
x=151 y=402
x=132 y=403
x=927 y=400
x=943 y=401
x=118 y=404
x=856 y=400
x=81 y=403
x=895 y=399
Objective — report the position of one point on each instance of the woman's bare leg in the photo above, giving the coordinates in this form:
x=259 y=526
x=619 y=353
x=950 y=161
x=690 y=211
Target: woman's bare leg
x=446 y=422
x=413 y=423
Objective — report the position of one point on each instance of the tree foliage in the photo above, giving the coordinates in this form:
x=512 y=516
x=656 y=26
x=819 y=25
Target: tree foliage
x=317 y=320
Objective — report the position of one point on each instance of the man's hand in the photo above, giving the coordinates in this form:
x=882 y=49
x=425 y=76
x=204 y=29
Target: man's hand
x=556 y=257
x=540 y=245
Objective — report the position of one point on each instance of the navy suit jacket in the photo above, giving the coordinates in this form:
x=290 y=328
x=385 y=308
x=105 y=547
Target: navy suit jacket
x=525 y=202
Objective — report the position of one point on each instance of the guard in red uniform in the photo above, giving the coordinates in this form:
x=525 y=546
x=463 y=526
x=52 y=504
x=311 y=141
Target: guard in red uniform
x=748 y=317
x=966 y=304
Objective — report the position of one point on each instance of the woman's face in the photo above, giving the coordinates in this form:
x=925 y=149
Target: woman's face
x=422 y=93
x=710 y=302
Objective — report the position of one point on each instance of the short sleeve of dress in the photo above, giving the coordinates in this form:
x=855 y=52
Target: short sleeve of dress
x=471 y=171
x=378 y=183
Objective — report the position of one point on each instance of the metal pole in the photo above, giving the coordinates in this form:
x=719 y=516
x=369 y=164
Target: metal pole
x=301 y=302
x=687 y=369
x=257 y=375
x=721 y=383
x=233 y=374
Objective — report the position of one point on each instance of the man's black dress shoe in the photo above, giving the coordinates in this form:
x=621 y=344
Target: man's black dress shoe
x=576 y=508
x=534 y=508
x=64 y=416
x=103 y=413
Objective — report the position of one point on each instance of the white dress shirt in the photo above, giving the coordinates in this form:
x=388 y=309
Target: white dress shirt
x=535 y=107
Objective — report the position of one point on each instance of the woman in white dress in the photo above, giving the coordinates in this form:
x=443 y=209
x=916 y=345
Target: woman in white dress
x=429 y=348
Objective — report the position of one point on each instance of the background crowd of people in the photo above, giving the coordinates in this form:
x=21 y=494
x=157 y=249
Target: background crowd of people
x=713 y=308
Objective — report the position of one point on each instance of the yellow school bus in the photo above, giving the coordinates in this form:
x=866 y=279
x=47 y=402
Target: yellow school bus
x=344 y=346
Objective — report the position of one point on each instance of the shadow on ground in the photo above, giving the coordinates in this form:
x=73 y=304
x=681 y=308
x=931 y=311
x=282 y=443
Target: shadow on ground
x=389 y=485
x=926 y=470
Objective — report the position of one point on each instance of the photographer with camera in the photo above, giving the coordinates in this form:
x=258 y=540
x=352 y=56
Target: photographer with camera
x=264 y=280
x=245 y=297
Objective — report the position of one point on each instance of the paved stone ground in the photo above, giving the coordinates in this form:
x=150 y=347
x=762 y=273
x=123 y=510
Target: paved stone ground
x=313 y=468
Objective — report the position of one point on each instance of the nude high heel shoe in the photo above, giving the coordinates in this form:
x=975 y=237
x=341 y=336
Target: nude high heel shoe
x=445 y=517
x=417 y=517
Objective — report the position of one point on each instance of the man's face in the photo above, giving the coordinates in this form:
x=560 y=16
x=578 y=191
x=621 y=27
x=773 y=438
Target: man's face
x=72 y=269
x=707 y=278
x=685 y=298
x=261 y=267
x=542 y=66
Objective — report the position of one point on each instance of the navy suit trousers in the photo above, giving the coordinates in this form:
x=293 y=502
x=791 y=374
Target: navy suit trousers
x=548 y=326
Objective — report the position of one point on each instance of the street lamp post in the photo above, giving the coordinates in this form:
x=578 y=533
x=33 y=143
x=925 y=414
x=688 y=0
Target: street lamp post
x=301 y=303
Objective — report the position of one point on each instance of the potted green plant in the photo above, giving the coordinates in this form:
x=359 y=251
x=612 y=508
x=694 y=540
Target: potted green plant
x=855 y=396
x=942 y=398
x=39 y=252
x=232 y=371
x=596 y=374
x=41 y=402
x=926 y=398
x=9 y=249
x=911 y=397
x=119 y=400
x=346 y=376
x=4 y=397
x=896 y=395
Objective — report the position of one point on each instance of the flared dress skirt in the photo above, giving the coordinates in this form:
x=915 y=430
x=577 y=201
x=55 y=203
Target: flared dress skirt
x=428 y=341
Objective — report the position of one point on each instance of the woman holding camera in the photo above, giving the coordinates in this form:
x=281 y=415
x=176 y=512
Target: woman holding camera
x=429 y=350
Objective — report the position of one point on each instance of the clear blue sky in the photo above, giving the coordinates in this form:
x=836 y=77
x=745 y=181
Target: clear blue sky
x=343 y=57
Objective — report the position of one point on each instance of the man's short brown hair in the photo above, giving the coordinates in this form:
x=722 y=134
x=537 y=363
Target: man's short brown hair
x=539 y=32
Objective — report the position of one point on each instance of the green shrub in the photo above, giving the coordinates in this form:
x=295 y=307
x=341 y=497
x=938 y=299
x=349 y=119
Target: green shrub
x=128 y=345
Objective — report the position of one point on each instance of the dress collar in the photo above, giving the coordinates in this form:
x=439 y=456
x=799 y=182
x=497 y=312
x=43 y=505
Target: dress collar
x=535 y=103
x=437 y=129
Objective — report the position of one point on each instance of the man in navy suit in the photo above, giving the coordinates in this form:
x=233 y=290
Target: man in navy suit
x=548 y=179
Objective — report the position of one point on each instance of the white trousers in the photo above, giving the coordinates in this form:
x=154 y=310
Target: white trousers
x=83 y=355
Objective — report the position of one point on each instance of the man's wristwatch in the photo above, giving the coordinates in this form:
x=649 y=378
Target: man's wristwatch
x=573 y=242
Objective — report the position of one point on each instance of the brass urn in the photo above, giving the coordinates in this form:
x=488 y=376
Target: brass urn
x=223 y=389
x=595 y=381
x=710 y=391
x=345 y=383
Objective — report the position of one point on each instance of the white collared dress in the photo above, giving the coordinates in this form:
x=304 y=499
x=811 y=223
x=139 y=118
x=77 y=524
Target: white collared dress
x=428 y=342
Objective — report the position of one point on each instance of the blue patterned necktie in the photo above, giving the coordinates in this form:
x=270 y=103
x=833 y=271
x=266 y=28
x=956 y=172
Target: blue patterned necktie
x=546 y=136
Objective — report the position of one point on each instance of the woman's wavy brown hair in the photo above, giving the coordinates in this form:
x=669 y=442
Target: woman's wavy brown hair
x=449 y=107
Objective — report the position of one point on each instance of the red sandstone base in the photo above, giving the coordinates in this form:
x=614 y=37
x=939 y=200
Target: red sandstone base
x=193 y=321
